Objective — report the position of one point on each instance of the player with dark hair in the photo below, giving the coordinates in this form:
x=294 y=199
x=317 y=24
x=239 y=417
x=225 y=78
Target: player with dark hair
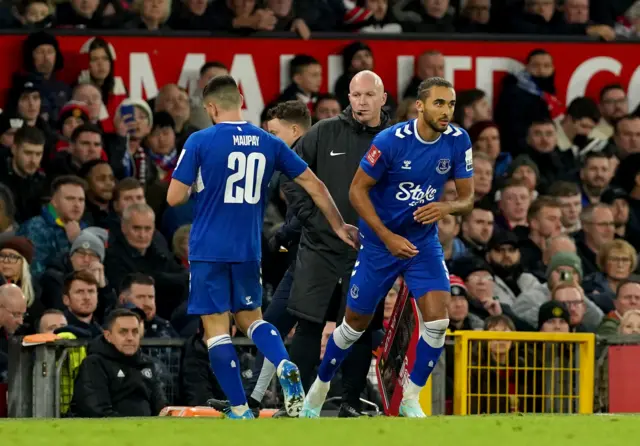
x=228 y=168
x=396 y=192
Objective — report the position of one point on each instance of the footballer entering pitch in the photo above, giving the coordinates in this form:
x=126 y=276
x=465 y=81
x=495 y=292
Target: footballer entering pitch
x=228 y=167
x=396 y=191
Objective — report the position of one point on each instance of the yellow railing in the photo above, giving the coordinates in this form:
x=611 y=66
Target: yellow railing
x=499 y=372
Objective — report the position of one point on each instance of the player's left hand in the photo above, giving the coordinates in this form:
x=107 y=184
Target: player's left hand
x=432 y=212
x=349 y=235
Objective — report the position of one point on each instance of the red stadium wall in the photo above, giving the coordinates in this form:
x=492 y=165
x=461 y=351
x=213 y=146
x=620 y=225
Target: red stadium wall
x=260 y=65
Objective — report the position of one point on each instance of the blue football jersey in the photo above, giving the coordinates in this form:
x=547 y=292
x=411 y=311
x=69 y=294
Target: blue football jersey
x=410 y=173
x=230 y=166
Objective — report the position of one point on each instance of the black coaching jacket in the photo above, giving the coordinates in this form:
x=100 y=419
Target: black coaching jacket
x=333 y=149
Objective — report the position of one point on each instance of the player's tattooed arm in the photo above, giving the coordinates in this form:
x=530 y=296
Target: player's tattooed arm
x=437 y=210
x=322 y=198
x=359 y=196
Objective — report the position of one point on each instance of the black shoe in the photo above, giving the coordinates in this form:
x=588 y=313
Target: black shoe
x=255 y=406
x=281 y=414
x=348 y=411
x=219 y=405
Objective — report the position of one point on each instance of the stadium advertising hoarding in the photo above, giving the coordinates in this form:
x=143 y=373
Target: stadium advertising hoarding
x=261 y=65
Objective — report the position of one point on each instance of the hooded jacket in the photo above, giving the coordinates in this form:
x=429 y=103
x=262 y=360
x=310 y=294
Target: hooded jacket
x=333 y=149
x=111 y=384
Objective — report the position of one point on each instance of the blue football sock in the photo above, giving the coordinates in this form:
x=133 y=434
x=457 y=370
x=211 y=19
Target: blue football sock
x=428 y=351
x=226 y=366
x=269 y=342
x=338 y=347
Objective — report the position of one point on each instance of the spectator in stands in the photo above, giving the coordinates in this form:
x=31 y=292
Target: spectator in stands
x=407 y=110
x=482 y=176
x=613 y=105
x=12 y=311
x=151 y=15
x=428 y=16
x=430 y=64
x=448 y=230
x=450 y=193
x=22 y=174
x=478 y=278
x=286 y=19
x=477 y=229
x=51 y=320
x=595 y=177
x=577 y=16
x=573 y=130
x=563 y=267
x=101 y=182
x=573 y=297
x=541 y=146
x=597 y=229
x=86 y=254
x=356 y=57
x=101 y=73
x=89 y=14
x=503 y=256
x=561 y=243
x=243 y=17
x=16 y=255
x=25 y=102
x=553 y=317
x=616 y=261
x=382 y=20
x=42 y=60
x=523 y=169
x=545 y=221
x=472 y=106
x=569 y=197
x=198 y=116
x=630 y=323
x=139 y=290
x=175 y=101
x=327 y=106
x=91 y=96
x=525 y=97
x=116 y=379
x=485 y=138
x=86 y=145
x=34 y=14
x=515 y=199
x=80 y=298
x=59 y=224
x=9 y=125
x=126 y=153
x=8 y=224
x=627 y=136
x=192 y=15
x=197 y=382
x=627 y=299
x=475 y=17
x=161 y=145
x=305 y=75
x=72 y=115
x=458 y=308
x=180 y=245
x=626 y=224
x=133 y=251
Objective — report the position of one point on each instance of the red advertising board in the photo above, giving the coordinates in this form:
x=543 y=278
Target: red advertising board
x=624 y=387
x=260 y=65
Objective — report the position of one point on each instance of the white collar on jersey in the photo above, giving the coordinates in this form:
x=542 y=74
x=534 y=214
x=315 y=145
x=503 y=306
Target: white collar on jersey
x=232 y=122
x=415 y=132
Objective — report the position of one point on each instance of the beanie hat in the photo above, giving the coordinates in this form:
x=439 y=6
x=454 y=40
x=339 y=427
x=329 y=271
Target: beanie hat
x=87 y=240
x=21 y=245
x=99 y=232
x=141 y=104
x=565 y=259
x=349 y=52
x=523 y=160
x=76 y=109
x=33 y=41
x=476 y=129
x=458 y=288
x=467 y=265
x=552 y=310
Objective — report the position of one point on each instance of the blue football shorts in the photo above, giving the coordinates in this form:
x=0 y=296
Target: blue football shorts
x=376 y=270
x=218 y=287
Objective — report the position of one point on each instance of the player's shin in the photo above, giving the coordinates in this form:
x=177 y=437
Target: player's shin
x=338 y=348
x=428 y=353
x=226 y=367
x=268 y=340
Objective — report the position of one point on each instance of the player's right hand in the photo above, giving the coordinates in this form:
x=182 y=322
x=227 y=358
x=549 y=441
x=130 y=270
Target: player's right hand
x=350 y=235
x=400 y=247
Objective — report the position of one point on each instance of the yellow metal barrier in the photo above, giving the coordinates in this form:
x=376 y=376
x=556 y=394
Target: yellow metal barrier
x=501 y=372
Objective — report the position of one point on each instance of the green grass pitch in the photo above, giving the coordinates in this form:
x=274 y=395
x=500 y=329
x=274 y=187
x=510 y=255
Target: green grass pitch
x=458 y=431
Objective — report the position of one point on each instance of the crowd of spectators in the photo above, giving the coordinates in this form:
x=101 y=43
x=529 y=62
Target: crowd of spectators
x=605 y=19
x=84 y=229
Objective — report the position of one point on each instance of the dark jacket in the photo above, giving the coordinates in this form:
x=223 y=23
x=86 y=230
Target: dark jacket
x=110 y=384
x=197 y=381
x=28 y=193
x=333 y=149
x=92 y=327
x=52 y=284
x=158 y=328
x=172 y=280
